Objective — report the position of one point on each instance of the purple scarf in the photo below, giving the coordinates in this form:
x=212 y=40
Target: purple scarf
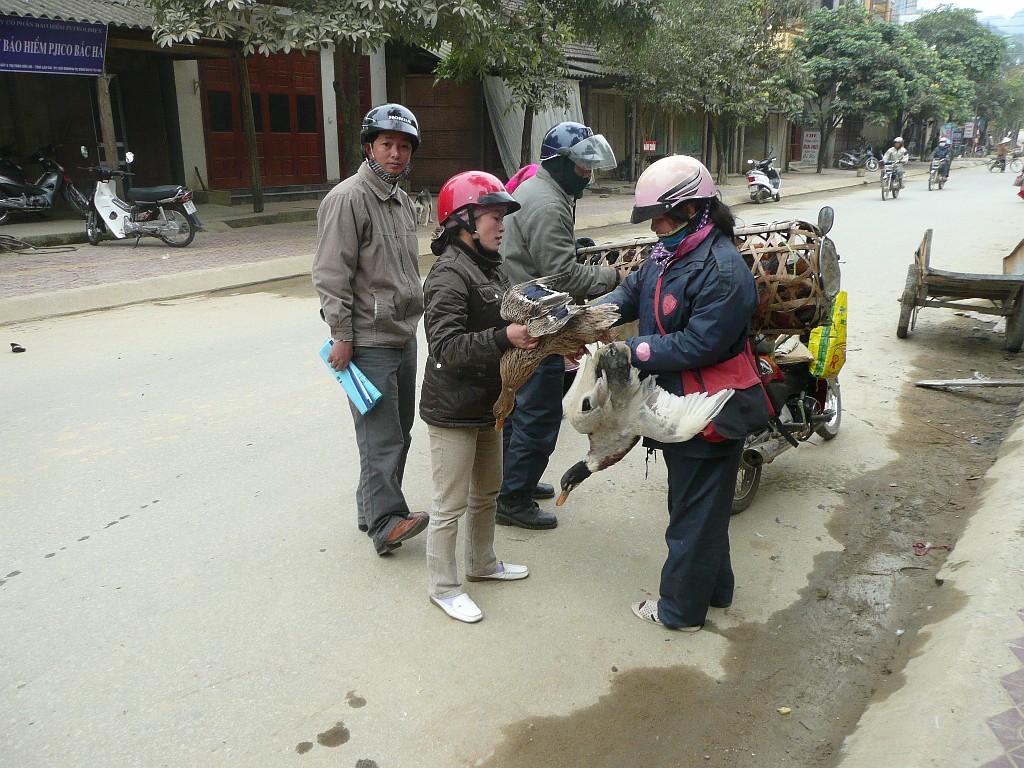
x=663 y=257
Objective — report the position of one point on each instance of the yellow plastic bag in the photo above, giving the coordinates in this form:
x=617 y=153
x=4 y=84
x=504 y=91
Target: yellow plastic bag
x=828 y=342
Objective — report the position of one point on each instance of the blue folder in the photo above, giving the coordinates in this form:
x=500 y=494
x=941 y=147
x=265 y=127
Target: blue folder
x=360 y=390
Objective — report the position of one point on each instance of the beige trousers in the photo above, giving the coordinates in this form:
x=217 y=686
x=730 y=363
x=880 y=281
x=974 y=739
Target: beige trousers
x=467 y=475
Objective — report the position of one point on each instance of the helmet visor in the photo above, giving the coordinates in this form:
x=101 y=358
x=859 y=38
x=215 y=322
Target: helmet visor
x=592 y=153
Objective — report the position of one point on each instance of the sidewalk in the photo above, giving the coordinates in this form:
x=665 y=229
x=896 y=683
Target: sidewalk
x=64 y=275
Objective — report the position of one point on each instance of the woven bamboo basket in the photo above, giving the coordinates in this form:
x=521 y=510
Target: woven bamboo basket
x=795 y=267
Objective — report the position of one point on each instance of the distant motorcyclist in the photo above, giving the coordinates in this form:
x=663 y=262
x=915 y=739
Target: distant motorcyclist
x=944 y=152
x=897 y=155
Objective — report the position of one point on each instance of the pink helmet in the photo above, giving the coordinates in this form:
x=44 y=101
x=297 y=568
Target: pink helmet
x=669 y=182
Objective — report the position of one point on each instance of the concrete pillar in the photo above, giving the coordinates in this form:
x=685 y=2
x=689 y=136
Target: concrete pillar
x=332 y=152
x=190 y=124
x=378 y=78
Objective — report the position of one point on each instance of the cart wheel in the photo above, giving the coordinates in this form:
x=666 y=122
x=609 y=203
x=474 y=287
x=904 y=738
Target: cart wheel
x=907 y=302
x=1015 y=326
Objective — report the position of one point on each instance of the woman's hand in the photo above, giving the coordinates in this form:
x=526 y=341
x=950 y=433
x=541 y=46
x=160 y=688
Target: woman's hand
x=519 y=337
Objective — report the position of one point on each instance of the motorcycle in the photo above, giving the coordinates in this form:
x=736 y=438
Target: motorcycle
x=890 y=181
x=859 y=159
x=937 y=174
x=19 y=194
x=763 y=181
x=165 y=212
x=804 y=405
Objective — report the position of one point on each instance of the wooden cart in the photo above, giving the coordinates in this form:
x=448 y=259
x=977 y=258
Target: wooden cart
x=927 y=287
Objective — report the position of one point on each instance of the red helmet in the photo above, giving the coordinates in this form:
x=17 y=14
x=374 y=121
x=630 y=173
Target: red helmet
x=472 y=188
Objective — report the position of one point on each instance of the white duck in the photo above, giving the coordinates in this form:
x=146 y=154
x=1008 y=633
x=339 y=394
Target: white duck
x=610 y=403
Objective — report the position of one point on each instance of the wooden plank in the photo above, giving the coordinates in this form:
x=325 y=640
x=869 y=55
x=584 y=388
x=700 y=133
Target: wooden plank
x=1014 y=263
x=942 y=383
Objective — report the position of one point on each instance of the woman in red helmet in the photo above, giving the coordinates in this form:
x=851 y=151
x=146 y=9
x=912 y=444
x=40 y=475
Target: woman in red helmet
x=466 y=337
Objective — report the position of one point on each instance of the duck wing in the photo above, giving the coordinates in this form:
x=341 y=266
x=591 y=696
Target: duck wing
x=587 y=403
x=670 y=418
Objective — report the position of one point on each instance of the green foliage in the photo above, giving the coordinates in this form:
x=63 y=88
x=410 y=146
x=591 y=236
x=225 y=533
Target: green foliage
x=722 y=56
x=309 y=24
x=956 y=33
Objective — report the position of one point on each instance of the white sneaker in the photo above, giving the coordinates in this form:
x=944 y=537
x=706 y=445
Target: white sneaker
x=461 y=607
x=505 y=572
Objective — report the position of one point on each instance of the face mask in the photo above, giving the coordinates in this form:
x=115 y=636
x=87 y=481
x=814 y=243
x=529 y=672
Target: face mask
x=563 y=171
x=671 y=240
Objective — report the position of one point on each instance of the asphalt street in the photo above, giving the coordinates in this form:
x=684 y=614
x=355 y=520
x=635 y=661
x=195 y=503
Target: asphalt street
x=182 y=581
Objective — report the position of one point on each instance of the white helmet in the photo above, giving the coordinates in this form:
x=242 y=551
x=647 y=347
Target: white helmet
x=898 y=140
x=669 y=182
x=943 y=141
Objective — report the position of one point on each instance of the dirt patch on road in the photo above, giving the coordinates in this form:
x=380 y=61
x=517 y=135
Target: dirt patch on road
x=862 y=616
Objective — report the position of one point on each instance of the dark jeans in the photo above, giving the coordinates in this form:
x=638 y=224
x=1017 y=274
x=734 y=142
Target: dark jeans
x=531 y=431
x=384 y=434
x=698 y=570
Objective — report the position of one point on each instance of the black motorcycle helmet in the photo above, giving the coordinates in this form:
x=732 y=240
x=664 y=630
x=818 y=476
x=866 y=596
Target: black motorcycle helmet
x=390 y=117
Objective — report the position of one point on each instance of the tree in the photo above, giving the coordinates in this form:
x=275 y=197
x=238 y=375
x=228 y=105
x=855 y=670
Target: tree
x=853 y=66
x=722 y=56
x=960 y=40
x=526 y=48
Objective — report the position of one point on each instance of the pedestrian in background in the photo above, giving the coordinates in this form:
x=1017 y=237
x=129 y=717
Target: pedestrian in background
x=466 y=337
x=539 y=242
x=694 y=297
x=366 y=271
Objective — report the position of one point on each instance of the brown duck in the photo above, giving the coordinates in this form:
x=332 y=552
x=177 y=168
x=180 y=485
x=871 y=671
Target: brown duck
x=561 y=326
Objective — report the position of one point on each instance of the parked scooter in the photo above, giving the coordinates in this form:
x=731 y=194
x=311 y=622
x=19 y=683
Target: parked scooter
x=763 y=181
x=804 y=406
x=165 y=212
x=863 y=159
x=19 y=194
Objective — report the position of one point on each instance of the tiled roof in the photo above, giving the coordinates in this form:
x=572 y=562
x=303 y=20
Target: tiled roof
x=120 y=13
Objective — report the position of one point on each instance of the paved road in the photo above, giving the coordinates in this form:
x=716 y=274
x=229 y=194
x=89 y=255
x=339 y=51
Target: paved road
x=182 y=583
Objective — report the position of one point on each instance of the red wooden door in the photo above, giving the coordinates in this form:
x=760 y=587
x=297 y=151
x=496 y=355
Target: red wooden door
x=288 y=113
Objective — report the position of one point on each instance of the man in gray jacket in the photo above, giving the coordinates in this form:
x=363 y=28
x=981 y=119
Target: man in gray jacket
x=366 y=271
x=540 y=241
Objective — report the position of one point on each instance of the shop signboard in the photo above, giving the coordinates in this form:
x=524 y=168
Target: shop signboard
x=809 y=148
x=51 y=46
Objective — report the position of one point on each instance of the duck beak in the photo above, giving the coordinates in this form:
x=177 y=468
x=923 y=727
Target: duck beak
x=575 y=475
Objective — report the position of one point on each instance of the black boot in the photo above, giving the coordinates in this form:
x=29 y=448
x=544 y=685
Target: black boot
x=544 y=491
x=523 y=512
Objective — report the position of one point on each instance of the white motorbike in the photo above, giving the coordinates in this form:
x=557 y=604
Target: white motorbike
x=763 y=181
x=165 y=212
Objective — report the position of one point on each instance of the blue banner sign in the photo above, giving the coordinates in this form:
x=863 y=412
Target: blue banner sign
x=51 y=45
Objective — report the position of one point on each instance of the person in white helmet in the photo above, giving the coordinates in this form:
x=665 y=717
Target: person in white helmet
x=944 y=152
x=898 y=155
x=694 y=298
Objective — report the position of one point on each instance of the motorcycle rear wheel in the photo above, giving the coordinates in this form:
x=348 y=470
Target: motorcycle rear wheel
x=931 y=180
x=5 y=214
x=885 y=190
x=748 y=480
x=75 y=199
x=895 y=190
x=833 y=402
x=871 y=164
x=186 y=232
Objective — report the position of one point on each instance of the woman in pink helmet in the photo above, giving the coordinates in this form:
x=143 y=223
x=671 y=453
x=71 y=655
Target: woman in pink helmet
x=466 y=337
x=694 y=297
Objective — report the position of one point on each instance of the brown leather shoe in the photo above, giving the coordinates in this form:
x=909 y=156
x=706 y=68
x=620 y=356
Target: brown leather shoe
x=405 y=529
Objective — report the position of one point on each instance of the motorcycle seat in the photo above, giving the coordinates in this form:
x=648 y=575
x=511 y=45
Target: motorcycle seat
x=154 y=194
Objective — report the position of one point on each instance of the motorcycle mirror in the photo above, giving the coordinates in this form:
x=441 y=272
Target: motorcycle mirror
x=826 y=218
x=85 y=151
x=129 y=157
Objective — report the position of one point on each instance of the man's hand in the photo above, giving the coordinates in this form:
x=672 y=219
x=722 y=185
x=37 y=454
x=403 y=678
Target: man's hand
x=340 y=355
x=519 y=337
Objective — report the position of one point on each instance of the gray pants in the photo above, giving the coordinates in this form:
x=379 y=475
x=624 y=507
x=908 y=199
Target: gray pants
x=467 y=473
x=384 y=434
